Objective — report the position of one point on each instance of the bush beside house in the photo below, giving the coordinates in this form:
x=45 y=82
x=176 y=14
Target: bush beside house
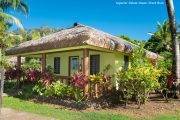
x=135 y=83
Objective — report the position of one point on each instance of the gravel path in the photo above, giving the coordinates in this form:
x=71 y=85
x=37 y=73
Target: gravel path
x=10 y=114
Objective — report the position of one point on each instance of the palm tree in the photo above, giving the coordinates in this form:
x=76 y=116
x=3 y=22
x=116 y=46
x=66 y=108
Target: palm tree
x=18 y=5
x=5 y=6
x=175 y=45
x=5 y=18
x=160 y=41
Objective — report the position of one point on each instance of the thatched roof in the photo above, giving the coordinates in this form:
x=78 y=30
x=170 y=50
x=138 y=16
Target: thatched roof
x=78 y=35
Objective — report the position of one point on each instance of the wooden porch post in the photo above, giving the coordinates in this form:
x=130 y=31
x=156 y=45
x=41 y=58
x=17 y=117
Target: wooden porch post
x=85 y=67
x=43 y=62
x=18 y=62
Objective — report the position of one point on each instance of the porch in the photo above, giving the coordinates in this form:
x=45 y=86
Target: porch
x=65 y=63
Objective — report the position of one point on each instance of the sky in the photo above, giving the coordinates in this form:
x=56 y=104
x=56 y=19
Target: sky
x=112 y=16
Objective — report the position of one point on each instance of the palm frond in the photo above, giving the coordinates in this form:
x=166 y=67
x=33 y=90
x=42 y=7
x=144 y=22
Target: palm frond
x=150 y=33
x=11 y=19
x=14 y=4
x=23 y=7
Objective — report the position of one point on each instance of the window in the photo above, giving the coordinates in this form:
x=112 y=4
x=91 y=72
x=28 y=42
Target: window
x=57 y=65
x=94 y=64
x=126 y=62
x=74 y=64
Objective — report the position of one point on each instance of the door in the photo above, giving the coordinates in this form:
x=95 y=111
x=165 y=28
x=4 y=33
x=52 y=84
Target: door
x=73 y=65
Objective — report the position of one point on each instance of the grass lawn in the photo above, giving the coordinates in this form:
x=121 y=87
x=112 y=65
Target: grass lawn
x=62 y=114
x=157 y=110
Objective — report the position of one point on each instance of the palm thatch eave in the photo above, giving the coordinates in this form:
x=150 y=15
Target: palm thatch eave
x=78 y=35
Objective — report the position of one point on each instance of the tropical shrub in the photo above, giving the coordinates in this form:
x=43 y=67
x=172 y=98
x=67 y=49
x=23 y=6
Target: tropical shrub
x=14 y=73
x=138 y=82
x=3 y=61
x=32 y=64
x=166 y=78
x=164 y=65
x=100 y=83
x=103 y=77
x=58 y=89
x=79 y=82
x=39 y=89
x=33 y=75
x=140 y=79
x=47 y=78
x=96 y=78
x=100 y=78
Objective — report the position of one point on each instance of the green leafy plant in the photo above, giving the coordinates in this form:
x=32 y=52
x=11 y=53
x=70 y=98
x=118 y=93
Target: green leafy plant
x=138 y=82
x=58 y=89
x=4 y=62
x=96 y=78
x=140 y=79
x=101 y=83
x=32 y=64
x=165 y=66
x=39 y=89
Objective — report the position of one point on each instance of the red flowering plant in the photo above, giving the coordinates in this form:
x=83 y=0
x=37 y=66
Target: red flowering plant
x=13 y=73
x=45 y=82
x=16 y=74
x=79 y=82
x=47 y=78
x=10 y=74
x=170 y=80
x=33 y=75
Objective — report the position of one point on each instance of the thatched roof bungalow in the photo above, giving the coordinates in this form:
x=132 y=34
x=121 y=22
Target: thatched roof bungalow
x=78 y=48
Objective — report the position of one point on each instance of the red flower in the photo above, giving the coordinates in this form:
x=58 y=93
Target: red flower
x=33 y=75
x=47 y=78
x=170 y=80
x=13 y=73
x=79 y=80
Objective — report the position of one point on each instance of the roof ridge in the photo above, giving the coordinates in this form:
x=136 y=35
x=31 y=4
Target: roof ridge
x=108 y=34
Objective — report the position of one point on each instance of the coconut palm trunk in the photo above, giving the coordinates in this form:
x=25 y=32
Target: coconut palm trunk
x=175 y=45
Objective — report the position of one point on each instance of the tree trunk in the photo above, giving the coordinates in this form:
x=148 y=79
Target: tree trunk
x=1 y=85
x=175 y=66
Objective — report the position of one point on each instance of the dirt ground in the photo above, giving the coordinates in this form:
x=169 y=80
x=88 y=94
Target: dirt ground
x=155 y=106
x=10 y=114
x=152 y=109
x=149 y=110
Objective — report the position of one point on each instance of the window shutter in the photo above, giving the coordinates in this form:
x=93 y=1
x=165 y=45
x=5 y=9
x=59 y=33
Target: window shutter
x=57 y=65
x=126 y=62
x=94 y=64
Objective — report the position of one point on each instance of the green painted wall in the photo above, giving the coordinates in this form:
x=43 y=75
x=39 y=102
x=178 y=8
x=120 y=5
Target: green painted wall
x=105 y=59
x=64 y=58
x=119 y=61
x=116 y=60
